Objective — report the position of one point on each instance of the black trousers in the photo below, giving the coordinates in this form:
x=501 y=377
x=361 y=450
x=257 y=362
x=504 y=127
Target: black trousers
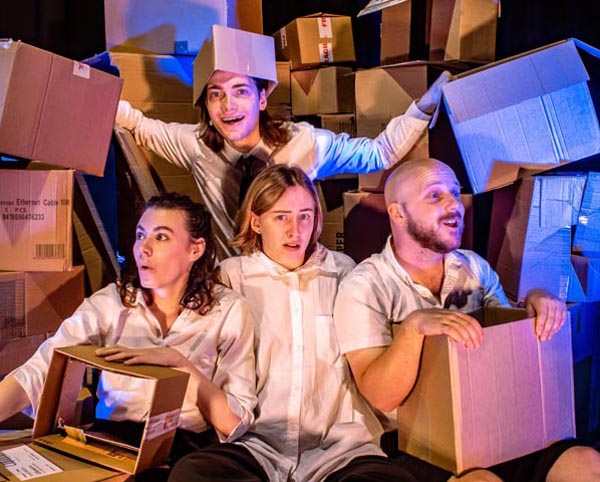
x=533 y=467
x=234 y=463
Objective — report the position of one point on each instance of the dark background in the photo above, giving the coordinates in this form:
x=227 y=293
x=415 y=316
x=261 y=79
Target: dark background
x=75 y=28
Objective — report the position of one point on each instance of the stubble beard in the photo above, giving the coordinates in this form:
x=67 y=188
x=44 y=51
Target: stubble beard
x=428 y=238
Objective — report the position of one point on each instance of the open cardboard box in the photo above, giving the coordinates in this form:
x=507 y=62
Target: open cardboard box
x=477 y=408
x=82 y=449
x=515 y=117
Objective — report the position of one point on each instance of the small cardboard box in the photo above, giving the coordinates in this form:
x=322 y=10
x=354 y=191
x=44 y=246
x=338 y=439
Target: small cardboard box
x=536 y=248
x=38 y=302
x=327 y=90
x=477 y=408
x=55 y=110
x=396 y=33
x=254 y=57
x=315 y=39
x=339 y=123
x=515 y=117
x=175 y=27
x=36 y=212
x=58 y=409
x=463 y=30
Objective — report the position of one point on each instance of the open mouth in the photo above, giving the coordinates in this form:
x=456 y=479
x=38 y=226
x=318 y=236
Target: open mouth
x=451 y=223
x=232 y=120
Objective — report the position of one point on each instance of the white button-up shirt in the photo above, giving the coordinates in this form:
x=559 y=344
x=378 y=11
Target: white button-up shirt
x=379 y=292
x=310 y=419
x=219 y=344
x=319 y=152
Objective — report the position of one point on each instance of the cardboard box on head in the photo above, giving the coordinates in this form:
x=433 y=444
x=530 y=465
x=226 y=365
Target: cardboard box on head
x=236 y=51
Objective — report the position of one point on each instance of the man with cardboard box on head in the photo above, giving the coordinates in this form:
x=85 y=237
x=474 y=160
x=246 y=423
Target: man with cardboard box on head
x=234 y=73
x=423 y=285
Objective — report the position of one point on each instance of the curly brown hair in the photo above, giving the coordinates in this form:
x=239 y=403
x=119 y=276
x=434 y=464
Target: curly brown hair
x=199 y=291
x=272 y=131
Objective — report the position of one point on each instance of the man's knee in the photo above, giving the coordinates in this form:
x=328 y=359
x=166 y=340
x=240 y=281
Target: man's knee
x=476 y=476
x=576 y=464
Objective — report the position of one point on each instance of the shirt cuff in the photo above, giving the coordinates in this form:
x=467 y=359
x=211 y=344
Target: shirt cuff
x=414 y=112
x=242 y=427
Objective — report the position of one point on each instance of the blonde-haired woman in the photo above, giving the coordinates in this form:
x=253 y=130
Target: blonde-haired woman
x=311 y=424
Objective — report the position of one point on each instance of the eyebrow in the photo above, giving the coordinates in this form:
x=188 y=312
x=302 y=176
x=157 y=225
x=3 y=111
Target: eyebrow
x=157 y=228
x=235 y=86
x=289 y=210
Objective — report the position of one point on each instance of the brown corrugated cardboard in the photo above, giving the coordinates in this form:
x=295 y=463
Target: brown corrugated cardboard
x=161 y=86
x=536 y=249
x=175 y=27
x=15 y=352
x=37 y=302
x=36 y=212
x=55 y=110
x=395 y=33
x=463 y=30
x=476 y=408
x=327 y=90
x=255 y=57
x=588 y=276
x=58 y=402
x=282 y=94
x=331 y=193
x=316 y=39
x=526 y=123
x=339 y=123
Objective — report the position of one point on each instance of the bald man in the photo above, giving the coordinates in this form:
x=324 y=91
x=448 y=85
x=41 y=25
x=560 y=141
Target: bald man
x=425 y=285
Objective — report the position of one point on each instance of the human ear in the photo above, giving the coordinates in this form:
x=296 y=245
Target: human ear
x=198 y=248
x=396 y=213
x=263 y=100
x=255 y=223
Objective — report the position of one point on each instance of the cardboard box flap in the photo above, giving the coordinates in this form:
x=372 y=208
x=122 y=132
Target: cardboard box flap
x=508 y=83
x=306 y=78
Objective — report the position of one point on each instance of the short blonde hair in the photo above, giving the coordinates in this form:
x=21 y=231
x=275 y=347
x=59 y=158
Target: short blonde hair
x=264 y=192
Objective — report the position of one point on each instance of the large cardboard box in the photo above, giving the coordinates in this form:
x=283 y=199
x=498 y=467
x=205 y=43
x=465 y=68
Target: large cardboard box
x=588 y=277
x=331 y=192
x=328 y=90
x=516 y=116
x=476 y=408
x=315 y=39
x=37 y=302
x=55 y=110
x=175 y=27
x=15 y=352
x=463 y=30
x=536 y=248
x=36 y=212
x=396 y=33
x=282 y=94
x=161 y=86
x=339 y=123
x=56 y=425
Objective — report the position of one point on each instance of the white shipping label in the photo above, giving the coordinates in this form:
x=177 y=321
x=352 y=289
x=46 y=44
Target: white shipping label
x=81 y=70
x=25 y=463
x=325 y=30
x=283 y=38
x=326 y=52
x=162 y=423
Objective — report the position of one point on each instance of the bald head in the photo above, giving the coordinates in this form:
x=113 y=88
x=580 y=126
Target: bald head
x=395 y=186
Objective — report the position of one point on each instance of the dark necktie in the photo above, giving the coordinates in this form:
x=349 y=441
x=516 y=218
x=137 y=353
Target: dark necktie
x=250 y=166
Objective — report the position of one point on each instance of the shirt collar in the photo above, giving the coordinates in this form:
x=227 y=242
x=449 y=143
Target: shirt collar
x=258 y=263
x=260 y=151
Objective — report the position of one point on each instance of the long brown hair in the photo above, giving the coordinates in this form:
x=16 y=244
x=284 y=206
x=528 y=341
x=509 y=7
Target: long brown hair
x=272 y=131
x=266 y=189
x=199 y=291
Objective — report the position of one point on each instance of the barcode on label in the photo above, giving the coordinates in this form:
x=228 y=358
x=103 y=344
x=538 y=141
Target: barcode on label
x=49 y=251
x=6 y=460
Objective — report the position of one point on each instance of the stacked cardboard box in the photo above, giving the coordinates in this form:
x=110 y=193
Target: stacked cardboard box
x=60 y=112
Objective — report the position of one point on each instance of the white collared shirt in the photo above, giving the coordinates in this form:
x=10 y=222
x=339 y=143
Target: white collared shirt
x=319 y=152
x=219 y=344
x=310 y=419
x=379 y=291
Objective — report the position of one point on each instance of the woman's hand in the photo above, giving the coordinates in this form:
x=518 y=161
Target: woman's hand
x=166 y=357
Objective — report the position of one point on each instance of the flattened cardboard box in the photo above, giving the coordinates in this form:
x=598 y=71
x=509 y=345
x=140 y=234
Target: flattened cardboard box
x=174 y=27
x=536 y=249
x=59 y=400
x=37 y=302
x=55 y=110
x=515 y=117
x=315 y=39
x=36 y=212
x=477 y=408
